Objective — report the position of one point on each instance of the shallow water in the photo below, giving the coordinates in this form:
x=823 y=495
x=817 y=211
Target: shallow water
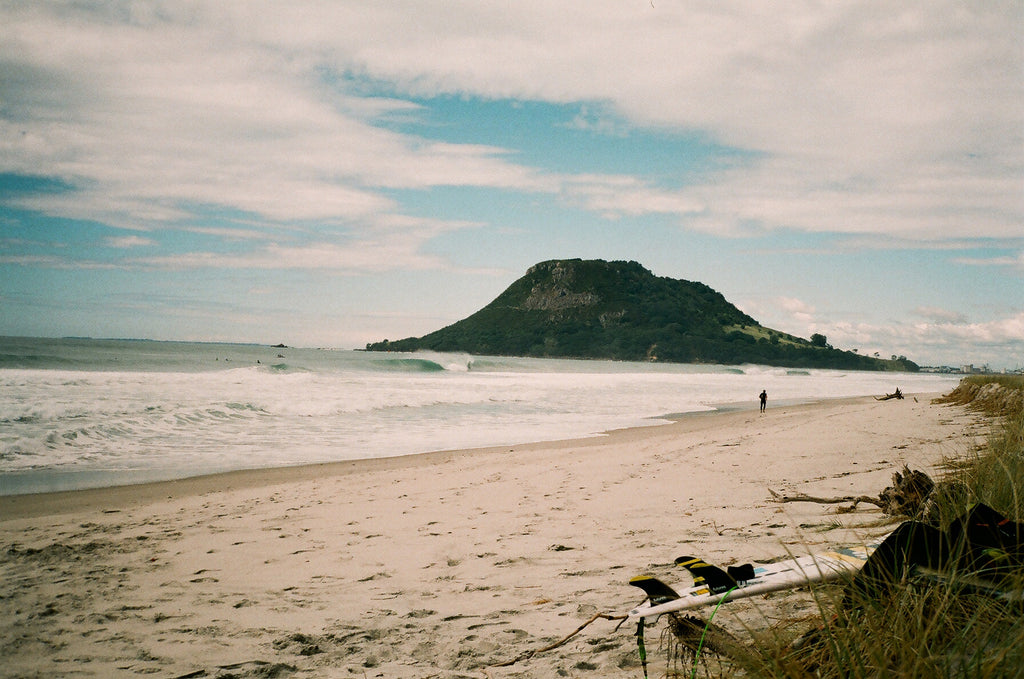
x=78 y=413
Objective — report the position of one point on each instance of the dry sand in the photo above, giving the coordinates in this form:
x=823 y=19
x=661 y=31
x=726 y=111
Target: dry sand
x=447 y=564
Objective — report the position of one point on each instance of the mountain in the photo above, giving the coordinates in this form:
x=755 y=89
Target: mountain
x=621 y=311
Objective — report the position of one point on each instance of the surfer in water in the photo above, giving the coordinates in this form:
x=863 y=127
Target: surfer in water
x=764 y=399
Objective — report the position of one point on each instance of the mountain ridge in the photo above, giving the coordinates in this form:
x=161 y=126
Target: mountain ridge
x=575 y=308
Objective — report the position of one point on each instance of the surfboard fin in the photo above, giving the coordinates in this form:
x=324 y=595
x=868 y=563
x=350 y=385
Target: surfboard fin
x=657 y=591
x=713 y=577
x=741 y=573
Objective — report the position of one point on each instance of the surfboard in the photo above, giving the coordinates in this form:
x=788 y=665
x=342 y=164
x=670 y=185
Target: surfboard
x=712 y=585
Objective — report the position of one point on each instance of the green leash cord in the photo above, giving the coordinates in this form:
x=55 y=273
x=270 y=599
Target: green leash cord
x=696 y=656
x=640 y=645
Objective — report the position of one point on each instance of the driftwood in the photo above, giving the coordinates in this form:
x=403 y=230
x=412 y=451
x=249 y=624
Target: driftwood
x=905 y=497
x=908 y=492
x=529 y=654
x=896 y=394
x=689 y=632
x=694 y=636
x=836 y=500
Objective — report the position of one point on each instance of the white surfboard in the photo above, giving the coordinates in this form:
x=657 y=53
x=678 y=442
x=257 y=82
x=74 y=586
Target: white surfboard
x=781 y=575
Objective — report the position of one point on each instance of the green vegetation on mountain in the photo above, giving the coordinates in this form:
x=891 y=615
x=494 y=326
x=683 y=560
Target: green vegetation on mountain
x=621 y=311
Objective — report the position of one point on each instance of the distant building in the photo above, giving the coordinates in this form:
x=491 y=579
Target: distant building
x=941 y=369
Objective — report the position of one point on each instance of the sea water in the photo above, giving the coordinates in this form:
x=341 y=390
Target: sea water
x=78 y=413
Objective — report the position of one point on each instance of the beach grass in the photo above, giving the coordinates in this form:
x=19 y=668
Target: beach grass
x=924 y=628
x=1008 y=381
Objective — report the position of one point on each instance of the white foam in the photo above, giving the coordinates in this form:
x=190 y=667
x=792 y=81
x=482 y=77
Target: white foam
x=183 y=423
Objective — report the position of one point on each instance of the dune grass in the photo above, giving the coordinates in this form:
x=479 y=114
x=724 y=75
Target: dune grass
x=924 y=629
x=1008 y=381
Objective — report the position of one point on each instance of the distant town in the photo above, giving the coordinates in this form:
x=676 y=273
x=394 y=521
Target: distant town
x=970 y=369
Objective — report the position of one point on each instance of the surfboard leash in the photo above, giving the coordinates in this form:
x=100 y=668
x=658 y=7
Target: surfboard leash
x=700 y=645
x=640 y=645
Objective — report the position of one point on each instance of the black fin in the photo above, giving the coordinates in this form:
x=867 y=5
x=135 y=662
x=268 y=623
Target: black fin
x=657 y=591
x=714 y=577
x=741 y=573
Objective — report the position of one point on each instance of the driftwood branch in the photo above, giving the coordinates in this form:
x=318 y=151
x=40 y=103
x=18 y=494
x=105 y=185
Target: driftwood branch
x=803 y=497
x=905 y=497
x=530 y=654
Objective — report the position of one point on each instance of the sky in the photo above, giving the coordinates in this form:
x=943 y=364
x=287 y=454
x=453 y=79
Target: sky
x=335 y=173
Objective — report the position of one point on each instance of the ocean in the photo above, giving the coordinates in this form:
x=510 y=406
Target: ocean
x=81 y=413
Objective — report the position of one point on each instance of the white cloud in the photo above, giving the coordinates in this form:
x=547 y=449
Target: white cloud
x=902 y=120
x=936 y=315
x=596 y=120
x=155 y=119
x=126 y=242
x=942 y=337
x=393 y=242
x=794 y=305
x=997 y=331
x=616 y=196
x=1010 y=262
x=951 y=341
x=360 y=257
x=800 y=312
x=53 y=262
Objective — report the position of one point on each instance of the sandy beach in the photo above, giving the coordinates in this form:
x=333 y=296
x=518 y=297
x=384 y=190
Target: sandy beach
x=447 y=564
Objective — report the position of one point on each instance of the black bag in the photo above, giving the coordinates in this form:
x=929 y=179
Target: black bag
x=982 y=543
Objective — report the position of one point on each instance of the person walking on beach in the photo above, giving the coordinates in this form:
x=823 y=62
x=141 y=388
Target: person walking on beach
x=764 y=399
